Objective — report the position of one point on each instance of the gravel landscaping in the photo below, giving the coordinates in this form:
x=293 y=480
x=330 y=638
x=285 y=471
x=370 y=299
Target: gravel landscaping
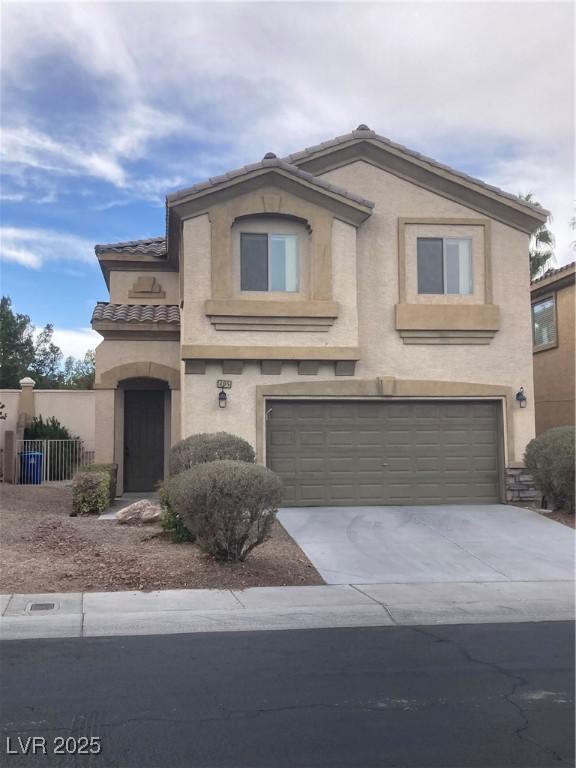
x=42 y=549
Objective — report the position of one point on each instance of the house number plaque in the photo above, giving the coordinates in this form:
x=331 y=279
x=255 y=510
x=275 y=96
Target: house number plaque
x=224 y=384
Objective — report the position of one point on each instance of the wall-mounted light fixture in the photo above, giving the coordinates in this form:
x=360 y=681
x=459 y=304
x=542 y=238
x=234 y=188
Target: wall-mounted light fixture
x=222 y=399
x=521 y=398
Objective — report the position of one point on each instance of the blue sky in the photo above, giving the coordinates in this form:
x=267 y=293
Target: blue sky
x=108 y=107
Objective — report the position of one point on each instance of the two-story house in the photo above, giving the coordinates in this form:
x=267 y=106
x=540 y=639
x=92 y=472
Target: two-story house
x=357 y=311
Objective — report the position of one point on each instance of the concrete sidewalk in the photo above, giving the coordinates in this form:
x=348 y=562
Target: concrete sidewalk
x=100 y=614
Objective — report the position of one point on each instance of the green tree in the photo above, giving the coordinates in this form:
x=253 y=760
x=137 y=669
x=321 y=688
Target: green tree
x=45 y=369
x=79 y=373
x=23 y=352
x=17 y=350
x=541 y=247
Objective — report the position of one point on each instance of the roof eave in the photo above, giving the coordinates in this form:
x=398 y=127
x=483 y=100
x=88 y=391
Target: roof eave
x=559 y=279
x=131 y=261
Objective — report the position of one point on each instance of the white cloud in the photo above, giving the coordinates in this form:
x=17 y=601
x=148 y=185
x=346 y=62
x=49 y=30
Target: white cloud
x=76 y=342
x=126 y=138
x=33 y=247
x=494 y=80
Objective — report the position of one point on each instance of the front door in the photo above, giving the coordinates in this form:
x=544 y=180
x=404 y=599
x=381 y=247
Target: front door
x=143 y=439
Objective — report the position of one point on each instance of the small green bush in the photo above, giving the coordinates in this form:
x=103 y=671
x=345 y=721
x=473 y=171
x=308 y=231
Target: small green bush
x=204 y=447
x=171 y=521
x=59 y=461
x=228 y=505
x=51 y=429
x=90 y=493
x=550 y=460
x=111 y=471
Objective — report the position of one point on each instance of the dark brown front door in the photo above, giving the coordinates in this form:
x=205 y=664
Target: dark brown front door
x=143 y=439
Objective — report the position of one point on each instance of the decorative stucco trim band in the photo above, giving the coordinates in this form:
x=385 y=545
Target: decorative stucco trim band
x=217 y=352
x=447 y=324
x=254 y=314
x=145 y=370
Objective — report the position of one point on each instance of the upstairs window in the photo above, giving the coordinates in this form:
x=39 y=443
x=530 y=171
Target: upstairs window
x=268 y=262
x=444 y=265
x=544 y=323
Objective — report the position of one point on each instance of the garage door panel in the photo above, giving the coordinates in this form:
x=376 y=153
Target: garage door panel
x=417 y=452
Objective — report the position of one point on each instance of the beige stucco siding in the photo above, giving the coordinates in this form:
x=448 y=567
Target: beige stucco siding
x=122 y=282
x=365 y=283
x=105 y=425
x=507 y=360
x=112 y=353
x=554 y=368
x=74 y=409
x=201 y=412
x=197 y=286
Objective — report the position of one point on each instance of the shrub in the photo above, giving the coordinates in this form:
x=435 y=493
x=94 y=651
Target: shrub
x=550 y=460
x=51 y=429
x=204 y=447
x=228 y=505
x=90 y=493
x=111 y=471
x=171 y=521
x=60 y=460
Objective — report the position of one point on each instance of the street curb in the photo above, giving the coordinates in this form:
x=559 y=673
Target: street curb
x=107 y=614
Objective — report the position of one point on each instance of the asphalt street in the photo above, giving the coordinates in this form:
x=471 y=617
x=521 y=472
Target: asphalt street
x=489 y=695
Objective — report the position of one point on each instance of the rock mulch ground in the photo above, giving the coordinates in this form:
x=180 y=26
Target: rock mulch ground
x=42 y=549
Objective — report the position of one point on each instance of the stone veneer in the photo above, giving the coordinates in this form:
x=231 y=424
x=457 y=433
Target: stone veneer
x=520 y=486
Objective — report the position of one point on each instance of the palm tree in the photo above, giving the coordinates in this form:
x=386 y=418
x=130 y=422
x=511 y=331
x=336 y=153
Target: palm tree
x=541 y=247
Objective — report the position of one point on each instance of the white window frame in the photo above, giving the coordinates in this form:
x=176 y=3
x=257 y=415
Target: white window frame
x=549 y=344
x=277 y=226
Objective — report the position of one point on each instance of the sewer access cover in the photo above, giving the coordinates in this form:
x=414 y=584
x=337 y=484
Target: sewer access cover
x=42 y=606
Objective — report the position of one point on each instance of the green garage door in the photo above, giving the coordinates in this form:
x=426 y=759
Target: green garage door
x=332 y=453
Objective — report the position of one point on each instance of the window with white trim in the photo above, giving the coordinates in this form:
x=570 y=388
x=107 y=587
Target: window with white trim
x=269 y=262
x=544 y=322
x=444 y=265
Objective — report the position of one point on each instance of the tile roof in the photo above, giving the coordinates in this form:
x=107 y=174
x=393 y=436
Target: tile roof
x=268 y=162
x=136 y=313
x=154 y=245
x=367 y=134
x=553 y=272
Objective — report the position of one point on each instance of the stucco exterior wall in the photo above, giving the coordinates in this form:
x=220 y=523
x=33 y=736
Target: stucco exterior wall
x=75 y=409
x=554 y=380
x=507 y=360
x=365 y=283
x=115 y=352
x=122 y=282
x=118 y=359
x=196 y=270
x=10 y=398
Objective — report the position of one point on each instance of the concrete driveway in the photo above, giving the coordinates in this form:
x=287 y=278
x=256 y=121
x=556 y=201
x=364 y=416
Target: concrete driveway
x=484 y=543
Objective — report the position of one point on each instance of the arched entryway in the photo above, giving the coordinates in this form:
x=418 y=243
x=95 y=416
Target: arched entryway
x=145 y=435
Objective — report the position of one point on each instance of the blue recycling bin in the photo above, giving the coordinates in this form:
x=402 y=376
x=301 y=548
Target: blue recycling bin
x=31 y=468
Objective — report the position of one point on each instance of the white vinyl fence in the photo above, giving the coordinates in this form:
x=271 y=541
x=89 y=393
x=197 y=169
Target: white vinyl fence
x=49 y=461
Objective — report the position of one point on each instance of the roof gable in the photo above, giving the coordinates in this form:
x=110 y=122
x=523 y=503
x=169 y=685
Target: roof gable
x=367 y=145
x=275 y=172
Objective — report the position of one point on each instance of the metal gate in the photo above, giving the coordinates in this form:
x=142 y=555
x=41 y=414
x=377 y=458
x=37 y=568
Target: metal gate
x=49 y=461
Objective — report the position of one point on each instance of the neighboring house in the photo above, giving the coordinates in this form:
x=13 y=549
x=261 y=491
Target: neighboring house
x=553 y=319
x=369 y=308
